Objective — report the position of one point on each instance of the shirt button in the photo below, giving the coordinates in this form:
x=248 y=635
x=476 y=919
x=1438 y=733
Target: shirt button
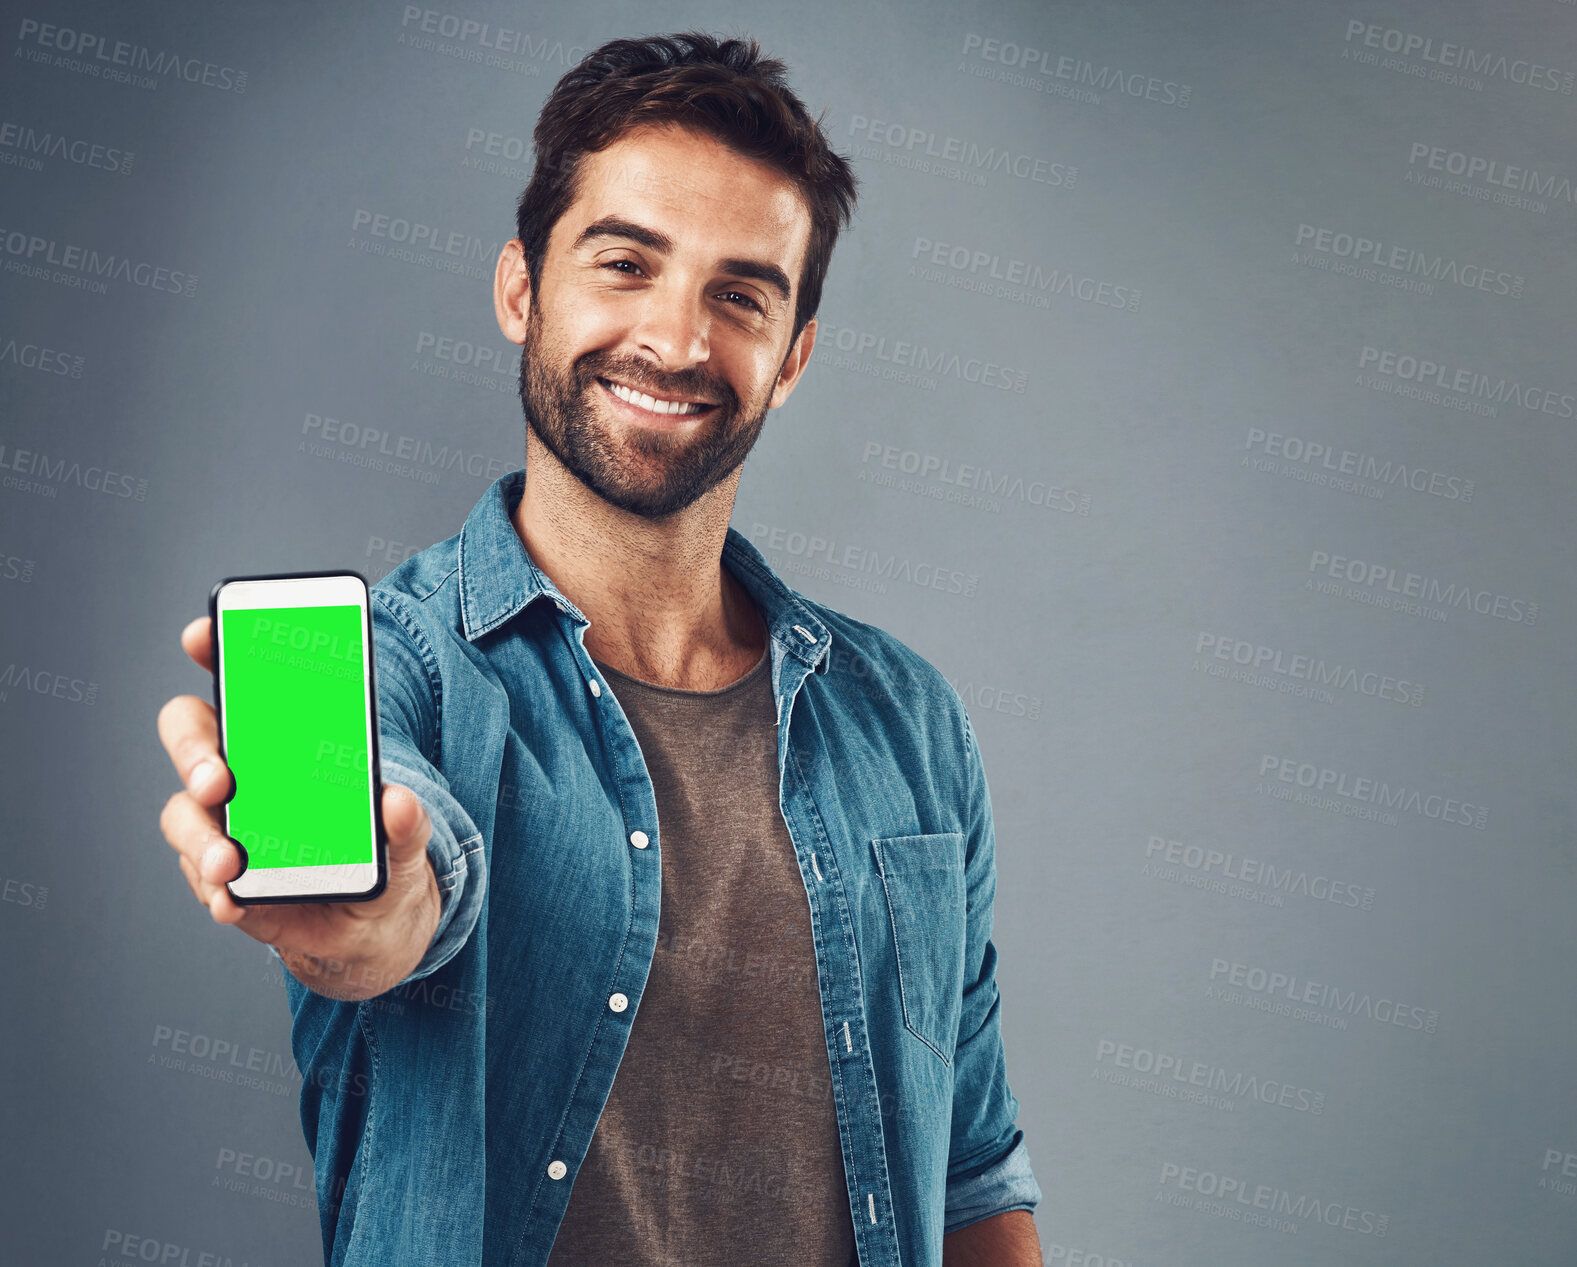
x=618 y=1002
x=556 y=1170
x=596 y=688
x=639 y=840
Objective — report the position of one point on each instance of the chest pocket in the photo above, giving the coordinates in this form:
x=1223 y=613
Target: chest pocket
x=923 y=878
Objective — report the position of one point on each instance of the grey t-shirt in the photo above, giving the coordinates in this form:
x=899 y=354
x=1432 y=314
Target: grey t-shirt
x=719 y=1141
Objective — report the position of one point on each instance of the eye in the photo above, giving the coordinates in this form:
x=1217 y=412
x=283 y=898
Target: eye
x=621 y=266
x=741 y=297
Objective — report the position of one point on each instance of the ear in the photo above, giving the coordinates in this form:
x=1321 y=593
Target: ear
x=794 y=364
x=512 y=291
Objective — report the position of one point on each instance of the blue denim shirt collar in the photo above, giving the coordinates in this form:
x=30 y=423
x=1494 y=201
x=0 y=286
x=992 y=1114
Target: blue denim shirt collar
x=498 y=579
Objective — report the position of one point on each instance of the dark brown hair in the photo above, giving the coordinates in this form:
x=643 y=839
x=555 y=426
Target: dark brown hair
x=725 y=88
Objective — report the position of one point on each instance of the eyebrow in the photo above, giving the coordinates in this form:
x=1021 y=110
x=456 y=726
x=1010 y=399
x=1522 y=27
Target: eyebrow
x=615 y=227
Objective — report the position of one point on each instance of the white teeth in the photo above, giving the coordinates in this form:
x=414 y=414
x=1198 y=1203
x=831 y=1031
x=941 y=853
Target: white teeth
x=652 y=403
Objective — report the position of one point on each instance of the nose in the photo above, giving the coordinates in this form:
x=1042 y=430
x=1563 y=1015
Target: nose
x=674 y=325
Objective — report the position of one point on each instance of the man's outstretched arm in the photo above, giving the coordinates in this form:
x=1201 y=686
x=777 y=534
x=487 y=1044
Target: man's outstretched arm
x=1002 y=1240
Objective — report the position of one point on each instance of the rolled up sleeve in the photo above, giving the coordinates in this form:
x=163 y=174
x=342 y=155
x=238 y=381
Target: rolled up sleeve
x=409 y=706
x=1007 y=1185
x=988 y=1167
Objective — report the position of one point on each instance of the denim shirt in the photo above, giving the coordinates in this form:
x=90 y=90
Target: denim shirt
x=447 y=1116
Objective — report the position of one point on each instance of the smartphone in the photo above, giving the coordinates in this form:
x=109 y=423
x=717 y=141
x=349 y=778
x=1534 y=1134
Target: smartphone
x=297 y=708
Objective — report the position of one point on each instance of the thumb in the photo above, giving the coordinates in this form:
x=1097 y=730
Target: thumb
x=406 y=824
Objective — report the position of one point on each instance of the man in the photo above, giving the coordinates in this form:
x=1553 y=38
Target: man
x=650 y=812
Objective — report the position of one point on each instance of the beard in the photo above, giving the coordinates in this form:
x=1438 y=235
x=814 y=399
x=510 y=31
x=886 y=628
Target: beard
x=648 y=473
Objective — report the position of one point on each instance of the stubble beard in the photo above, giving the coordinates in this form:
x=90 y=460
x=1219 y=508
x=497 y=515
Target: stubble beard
x=648 y=473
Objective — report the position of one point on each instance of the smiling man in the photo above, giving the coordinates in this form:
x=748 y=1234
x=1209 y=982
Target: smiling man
x=686 y=952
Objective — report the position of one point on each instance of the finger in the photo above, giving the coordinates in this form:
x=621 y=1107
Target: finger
x=226 y=910
x=405 y=820
x=208 y=893
x=196 y=640
x=409 y=830
x=192 y=832
x=190 y=872
x=190 y=734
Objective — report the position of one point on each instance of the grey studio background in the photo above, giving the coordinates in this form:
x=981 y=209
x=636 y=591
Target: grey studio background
x=1194 y=389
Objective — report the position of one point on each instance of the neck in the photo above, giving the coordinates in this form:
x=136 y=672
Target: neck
x=662 y=606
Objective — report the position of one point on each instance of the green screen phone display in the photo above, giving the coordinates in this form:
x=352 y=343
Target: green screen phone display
x=295 y=722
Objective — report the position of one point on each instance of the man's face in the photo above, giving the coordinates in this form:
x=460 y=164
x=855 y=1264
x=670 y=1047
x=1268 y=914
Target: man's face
x=658 y=337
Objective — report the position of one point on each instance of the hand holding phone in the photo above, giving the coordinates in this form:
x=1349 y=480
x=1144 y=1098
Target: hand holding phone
x=341 y=949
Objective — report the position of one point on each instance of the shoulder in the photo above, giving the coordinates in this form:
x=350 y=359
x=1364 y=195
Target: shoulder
x=423 y=588
x=416 y=614
x=873 y=662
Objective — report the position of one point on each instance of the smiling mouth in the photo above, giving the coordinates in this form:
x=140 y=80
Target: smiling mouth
x=655 y=404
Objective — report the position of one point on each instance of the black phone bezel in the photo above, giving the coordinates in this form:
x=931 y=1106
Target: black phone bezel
x=381 y=840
